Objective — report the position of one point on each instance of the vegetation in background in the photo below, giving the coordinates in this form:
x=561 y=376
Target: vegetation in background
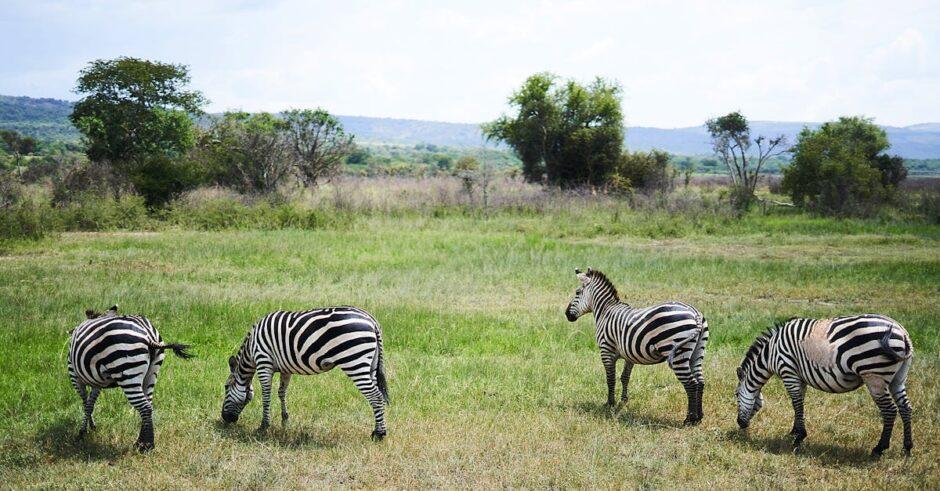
x=568 y=132
x=136 y=116
x=732 y=143
x=318 y=142
x=841 y=168
x=646 y=172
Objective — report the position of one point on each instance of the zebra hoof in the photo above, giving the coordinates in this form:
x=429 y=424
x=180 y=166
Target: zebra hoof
x=877 y=451
x=691 y=421
x=907 y=451
x=378 y=436
x=263 y=429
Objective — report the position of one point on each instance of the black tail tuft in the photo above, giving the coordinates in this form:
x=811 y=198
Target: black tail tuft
x=381 y=382
x=179 y=350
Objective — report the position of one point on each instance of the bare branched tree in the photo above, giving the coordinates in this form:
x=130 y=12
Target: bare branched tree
x=731 y=141
x=318 y=143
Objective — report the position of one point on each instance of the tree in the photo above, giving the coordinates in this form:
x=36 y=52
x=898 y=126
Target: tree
x=17 y=145
x=248 y=152
x=731 y=141
x=136 y=116
x=317 y=141
x=572 y=134
x=841 y=168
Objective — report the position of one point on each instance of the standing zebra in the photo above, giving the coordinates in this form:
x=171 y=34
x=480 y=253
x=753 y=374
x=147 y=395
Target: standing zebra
x=673 y=332
x=833 y=355
x=305 y=343
x=110 y=350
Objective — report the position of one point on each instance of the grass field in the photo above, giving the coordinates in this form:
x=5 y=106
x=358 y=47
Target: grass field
x=490 y=386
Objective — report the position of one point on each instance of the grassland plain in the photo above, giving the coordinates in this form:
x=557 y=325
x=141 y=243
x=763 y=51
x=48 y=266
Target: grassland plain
x=490 y=386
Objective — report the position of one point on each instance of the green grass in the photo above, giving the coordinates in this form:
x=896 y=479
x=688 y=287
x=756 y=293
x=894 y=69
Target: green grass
x=490 y=385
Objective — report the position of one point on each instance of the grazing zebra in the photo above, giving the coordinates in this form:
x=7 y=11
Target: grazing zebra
x=305 y=343
x=673 y=332
x=110 y=350
x=833 y=355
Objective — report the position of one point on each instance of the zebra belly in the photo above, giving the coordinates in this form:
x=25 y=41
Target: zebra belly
x=828 y=381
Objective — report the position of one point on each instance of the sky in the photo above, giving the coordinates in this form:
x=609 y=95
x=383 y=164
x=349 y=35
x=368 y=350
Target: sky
x=679 y=62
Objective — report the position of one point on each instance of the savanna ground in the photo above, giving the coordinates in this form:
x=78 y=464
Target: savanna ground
x=490 y=385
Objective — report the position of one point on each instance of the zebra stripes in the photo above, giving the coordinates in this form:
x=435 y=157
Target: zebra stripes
x=112 y=350
x=832 y=355
x=673 y=332
x=306 y=343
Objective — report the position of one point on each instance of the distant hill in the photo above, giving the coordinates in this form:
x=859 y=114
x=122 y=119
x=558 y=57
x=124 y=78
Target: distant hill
x=48 y=119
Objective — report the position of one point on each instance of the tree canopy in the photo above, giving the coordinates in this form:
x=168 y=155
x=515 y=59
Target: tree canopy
x=136 y=115
x=841 y=167
x=567 y=132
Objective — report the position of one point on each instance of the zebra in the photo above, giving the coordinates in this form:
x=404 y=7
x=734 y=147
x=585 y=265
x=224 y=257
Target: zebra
x=110 y=350
x=305 y=343
x=833 y=355
x=673 y=332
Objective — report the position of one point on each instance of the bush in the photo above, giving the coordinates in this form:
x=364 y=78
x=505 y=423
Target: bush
x=644 y=172
x=92 y=212
x=840 y=169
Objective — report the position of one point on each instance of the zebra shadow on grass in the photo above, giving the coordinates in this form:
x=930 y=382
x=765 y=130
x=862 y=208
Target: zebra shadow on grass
x=59 y=440
x=624 y=414
x=287 y=437
x=826 y=454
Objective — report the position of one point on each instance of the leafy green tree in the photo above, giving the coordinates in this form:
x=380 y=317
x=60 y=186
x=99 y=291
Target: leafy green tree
x=841 y=168
x=317 y=141
x=248 y=152
x=731 y=141
x=571 y=133
x=136 y=116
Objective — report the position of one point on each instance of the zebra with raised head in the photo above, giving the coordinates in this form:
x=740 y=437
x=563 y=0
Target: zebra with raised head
x=673 y=332
x=306 y=343
x=833 y=355
x=110 y=350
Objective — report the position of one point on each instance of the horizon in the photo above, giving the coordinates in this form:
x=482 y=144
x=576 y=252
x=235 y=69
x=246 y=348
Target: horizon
x=679 y=64
x=759 y=121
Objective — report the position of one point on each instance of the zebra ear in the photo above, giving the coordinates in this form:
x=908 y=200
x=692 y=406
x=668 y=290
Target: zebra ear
x=740 y=373
x=113 y=308
x=90 y=314
x=232 y=363
x=590 y=270
x=577 y=270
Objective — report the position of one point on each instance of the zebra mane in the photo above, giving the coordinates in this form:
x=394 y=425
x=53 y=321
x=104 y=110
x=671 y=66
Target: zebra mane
x=605 y=282
x=762 y=340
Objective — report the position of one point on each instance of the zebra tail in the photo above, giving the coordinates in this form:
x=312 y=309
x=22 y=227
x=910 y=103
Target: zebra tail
x=379 y=368
x=178 y=349
x=890 y=352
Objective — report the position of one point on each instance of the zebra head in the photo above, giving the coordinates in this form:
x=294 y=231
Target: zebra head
x=582 y=301
x=749 y=400
x=238 y=393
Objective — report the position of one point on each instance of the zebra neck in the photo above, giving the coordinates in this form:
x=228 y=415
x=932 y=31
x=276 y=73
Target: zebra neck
x=602 y=309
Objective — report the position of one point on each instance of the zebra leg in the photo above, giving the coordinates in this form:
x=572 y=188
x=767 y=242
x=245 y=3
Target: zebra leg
x=610 y=370
x=899 y=394
x=625 y=380
x=282 y=395
x=363 y=380
x=680 y=363
x=889 y=412
x=265 y=374
x=134 y=391
x=150 y=381
x=797 y=391
x=89 y=420
x=83 y=393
